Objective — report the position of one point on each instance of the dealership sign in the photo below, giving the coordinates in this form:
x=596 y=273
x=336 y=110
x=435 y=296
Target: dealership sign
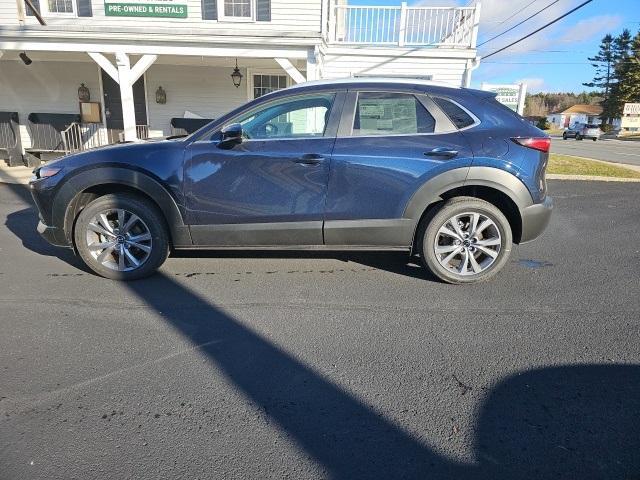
x=511 y=96
x=145 y=8
x=631 y=109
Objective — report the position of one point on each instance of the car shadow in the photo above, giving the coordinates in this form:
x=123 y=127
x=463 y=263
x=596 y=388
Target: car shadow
x=23 y=224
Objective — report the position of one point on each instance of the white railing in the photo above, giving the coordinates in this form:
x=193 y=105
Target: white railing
x=85 y=136
x=404 y=26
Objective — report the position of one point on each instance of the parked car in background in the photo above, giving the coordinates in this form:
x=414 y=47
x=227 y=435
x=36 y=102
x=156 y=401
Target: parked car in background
x=582 y=130
x=446 y=173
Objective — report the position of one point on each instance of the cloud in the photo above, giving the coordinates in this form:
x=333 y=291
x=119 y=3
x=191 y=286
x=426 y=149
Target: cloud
x=590 y=27
x=534 y=85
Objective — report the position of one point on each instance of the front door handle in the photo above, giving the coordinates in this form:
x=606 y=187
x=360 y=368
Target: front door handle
x=443 y=152
x=309 y=159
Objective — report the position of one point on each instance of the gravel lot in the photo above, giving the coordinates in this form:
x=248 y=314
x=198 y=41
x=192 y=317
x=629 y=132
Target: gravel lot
x=257 y=366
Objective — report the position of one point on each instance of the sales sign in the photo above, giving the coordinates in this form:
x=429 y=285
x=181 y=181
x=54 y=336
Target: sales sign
x=145 y=8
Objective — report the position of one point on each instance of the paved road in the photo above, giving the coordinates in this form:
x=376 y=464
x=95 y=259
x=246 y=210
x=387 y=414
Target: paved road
x=356 y=366
x=611 y=150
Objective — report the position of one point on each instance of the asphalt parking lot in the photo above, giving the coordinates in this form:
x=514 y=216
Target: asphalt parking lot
x=610 y=150
x=316 y=366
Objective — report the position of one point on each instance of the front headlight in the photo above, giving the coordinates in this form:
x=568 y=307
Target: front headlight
x=45 y=172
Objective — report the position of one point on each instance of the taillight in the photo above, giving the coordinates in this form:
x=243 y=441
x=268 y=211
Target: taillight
x=537 y=143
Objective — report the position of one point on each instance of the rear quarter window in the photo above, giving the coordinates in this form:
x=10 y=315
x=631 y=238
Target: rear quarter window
x=458 y=116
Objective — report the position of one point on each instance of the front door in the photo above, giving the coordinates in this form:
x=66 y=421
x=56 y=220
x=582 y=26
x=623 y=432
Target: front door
x=270 y=189
x=113 y=102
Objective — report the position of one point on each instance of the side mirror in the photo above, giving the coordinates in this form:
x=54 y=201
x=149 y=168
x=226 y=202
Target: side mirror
x=231 y=135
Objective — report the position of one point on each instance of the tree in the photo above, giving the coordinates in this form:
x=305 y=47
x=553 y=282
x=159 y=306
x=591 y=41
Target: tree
x=603 y=62
x=629 y=86
x=612 y=108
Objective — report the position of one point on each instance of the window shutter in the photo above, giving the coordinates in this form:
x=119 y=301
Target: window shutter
x=36 y=3
x=209 y=9
x=84 y=8
x=263 y=10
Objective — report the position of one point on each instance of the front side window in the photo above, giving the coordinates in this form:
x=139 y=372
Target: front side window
x=297 y=117
x=60 y=6
x=237 y=8
x=385 y=113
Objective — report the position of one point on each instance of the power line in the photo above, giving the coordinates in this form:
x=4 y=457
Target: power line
x=519 y=23
x=520 y=10
x=539 y=29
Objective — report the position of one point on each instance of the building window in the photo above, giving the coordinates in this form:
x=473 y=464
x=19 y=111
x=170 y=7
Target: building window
x=263 y=84
x=60 y=6
x=237 y=8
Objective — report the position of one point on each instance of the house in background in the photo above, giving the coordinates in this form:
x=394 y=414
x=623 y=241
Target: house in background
x=102 y=70
x=576 y=114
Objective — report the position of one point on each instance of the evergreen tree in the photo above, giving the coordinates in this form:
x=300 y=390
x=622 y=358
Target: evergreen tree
x=630 y=83
x=621 y=57
x=603 y=62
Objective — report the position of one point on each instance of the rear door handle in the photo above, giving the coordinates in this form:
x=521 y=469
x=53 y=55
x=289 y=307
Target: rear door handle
x=443 y=152
x=309 y=159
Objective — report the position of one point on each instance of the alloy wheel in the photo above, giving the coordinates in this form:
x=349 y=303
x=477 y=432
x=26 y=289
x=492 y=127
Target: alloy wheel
x=118 y=239
x=468 y=243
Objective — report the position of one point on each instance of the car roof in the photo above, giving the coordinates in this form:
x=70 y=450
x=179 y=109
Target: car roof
x=385 y=82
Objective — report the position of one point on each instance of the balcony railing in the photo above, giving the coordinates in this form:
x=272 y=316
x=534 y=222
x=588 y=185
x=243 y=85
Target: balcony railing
x=404 y=26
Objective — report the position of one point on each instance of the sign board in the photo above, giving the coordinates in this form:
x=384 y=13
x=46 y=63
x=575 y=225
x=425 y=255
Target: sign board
x=146 y=8
x=511 y=96
x=631 y=109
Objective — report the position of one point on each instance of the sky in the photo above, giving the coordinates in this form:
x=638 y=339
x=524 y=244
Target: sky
x=553 y=60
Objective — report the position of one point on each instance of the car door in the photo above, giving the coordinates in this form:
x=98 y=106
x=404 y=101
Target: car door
x=271 y=188
x=389 y=143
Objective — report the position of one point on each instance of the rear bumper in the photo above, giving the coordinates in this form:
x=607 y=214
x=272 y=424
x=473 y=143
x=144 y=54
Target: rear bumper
x=535 y=219
x=53 y=235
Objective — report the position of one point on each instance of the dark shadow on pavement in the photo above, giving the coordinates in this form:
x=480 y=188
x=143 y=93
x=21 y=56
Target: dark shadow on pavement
x=23 y=224
x=563 y=422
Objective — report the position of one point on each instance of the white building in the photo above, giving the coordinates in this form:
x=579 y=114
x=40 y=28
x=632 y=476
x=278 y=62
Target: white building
x=582 y=114
x=146 y=62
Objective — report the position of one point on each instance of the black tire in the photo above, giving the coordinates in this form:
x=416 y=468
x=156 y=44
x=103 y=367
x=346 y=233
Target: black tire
x=594 y=139
x=564 y=136
x=461 y=206
x=152 y=219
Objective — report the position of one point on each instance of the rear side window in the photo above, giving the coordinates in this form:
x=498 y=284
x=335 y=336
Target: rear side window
x=386 y=113
x=457 y=115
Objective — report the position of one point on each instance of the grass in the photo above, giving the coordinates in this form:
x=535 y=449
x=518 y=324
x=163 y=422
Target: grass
x=568 y=165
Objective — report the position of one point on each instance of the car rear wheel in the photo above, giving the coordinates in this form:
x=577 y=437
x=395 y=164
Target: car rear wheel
x=467 y=240
x=564 y=136
x=122 y=237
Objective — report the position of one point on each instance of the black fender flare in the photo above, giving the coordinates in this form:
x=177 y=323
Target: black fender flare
x=134 y=179
x=432 y=190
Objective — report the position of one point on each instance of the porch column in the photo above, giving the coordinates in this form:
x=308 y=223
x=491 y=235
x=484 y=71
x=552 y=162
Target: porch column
x=312 y=65
x=126 y=96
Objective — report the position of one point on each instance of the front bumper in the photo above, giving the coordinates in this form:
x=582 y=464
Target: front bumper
x=53 y=235
x=535 y=219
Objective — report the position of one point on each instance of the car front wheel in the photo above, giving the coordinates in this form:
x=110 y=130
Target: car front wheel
x=121 y=237
x=467 y=240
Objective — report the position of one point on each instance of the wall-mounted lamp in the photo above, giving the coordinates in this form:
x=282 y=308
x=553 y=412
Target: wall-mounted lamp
x=84 y=95
x=161 y=96
x=25 y=58
x=236 y=76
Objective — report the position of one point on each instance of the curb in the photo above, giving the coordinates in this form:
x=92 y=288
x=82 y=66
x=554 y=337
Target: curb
x=15 y=175
x=590 y=178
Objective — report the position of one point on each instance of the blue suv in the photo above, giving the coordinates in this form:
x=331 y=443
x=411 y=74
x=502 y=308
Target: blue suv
x=448 y=174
